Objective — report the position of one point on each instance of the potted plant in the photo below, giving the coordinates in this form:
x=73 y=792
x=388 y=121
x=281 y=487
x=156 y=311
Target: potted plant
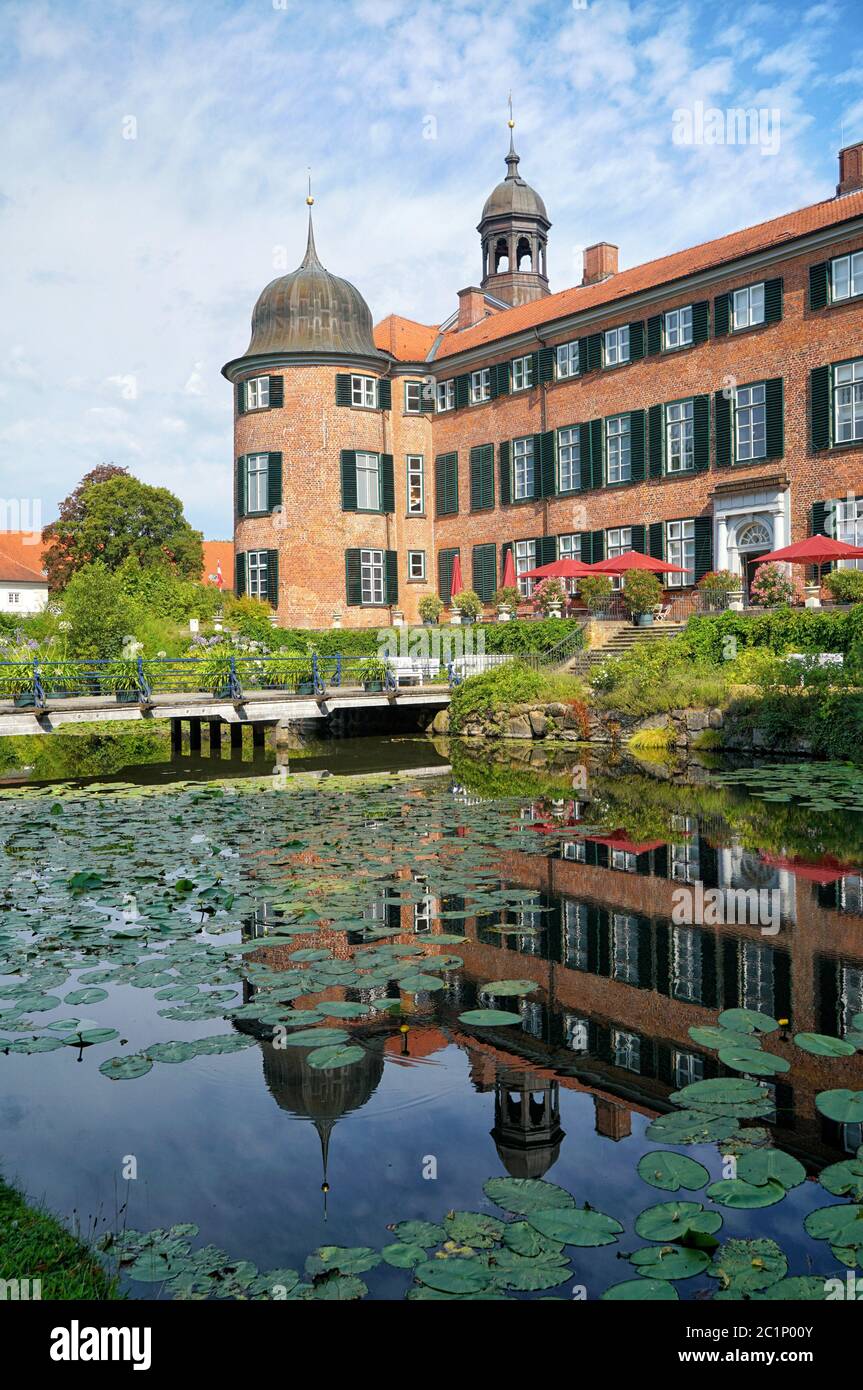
x=506 y=601
x=468 y=605
x=121 y=677
x=845 y=586
x=18 y=677
x=430 y=609
x=642 y=592
x=772 y=586
x=373 y=673
x=303 y=672
x=595 y=590
x=549 y=597
x=215 y=672
x=716 y=586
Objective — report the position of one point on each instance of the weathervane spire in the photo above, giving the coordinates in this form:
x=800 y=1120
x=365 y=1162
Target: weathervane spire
x=311 y=256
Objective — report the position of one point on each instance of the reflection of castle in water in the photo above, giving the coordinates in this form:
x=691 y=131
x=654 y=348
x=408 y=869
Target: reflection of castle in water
x=527 y=1132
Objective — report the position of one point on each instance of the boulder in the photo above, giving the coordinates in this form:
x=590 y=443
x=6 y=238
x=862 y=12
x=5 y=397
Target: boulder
x=696 y=720
x=538 y=723
x=715 y=718
x=519 y=727
x=440 y=723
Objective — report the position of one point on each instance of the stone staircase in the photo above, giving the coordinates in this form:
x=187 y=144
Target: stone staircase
x=621 y=638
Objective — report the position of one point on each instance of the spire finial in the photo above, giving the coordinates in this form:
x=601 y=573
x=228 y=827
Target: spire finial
x=309 y=198
x=512 y=160
x=310 y=259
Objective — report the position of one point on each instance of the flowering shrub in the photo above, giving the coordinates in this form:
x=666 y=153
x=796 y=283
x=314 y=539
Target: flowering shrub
x=719 y=582
x=771 y=586
x=548 y=594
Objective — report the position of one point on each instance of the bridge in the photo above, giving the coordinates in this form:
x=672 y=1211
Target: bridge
x=40 y=696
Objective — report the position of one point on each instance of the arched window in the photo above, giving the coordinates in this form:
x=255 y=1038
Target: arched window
x=501 y=256
x=523 y=255
x=754 y=536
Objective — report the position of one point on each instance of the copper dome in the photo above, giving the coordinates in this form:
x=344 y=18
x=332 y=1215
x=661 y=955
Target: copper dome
x=513 y=195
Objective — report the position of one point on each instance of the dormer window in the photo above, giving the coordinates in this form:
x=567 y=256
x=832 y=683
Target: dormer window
x=258 y=393
x=363 y=392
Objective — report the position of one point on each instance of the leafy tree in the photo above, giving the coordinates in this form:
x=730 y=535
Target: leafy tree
x=110 y=518
x=99 y=613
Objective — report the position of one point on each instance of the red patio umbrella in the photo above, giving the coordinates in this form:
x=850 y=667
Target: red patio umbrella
x=456 y=583
x=509 y=581
x=817 y=550
x=560 y=569
x=634 y=560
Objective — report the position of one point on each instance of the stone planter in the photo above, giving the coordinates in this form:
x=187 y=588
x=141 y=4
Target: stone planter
x=455 y=619
x=813 y=595
x=398 y=618
x=735 y=600
x=504 y=614
x=555 y=611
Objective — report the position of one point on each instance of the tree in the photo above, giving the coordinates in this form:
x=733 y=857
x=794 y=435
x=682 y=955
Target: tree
x=99 y=613
x=113 y=517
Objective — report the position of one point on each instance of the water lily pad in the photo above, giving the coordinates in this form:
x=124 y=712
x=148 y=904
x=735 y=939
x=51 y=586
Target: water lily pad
x=673 y=1221
x=126 y=1068
x=316 y=1037
x=489 y=1018
x=425 y=1233
x=672 y=1171
x=347 y=1259
x=524 y=1195
x=810 y=1288
x=843 y=1106
x=822 y=1045
x=753 y=1062
x=748 y=1264
x=669 y=1262
x=719 y=1090
x=337 y=1288
x=473 y=1228
x=642 y=1290
x=335 y=1055
x=455 y=1275
x=712 y=1036
x=760 y=1166
x=403 y=1256
x=524 y=1239
x=514 y=1271
x=844 y=1179
x=90 y=1037
x=338 y=1008
x=420 y=984
x=734 y=1192
x=747 y=1021
x=692 y=1127
x=841 y=1224
x=171 y=1051
x=576 y=1226
x=507 y=987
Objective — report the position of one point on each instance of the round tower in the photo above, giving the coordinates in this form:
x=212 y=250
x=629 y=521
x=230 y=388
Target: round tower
x=514 y=233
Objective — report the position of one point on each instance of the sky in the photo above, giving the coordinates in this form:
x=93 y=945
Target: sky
x=154 y=166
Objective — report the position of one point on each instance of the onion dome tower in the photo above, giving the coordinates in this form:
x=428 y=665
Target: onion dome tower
x=514 y=233
x=527 y=1132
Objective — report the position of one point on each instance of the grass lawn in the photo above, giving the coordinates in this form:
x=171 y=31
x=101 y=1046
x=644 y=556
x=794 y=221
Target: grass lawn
x=34 y=1245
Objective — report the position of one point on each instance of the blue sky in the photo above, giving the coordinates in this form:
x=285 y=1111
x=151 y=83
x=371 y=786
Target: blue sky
x=130 y=265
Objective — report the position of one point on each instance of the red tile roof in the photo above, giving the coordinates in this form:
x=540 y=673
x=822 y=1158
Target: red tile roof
x=21 y=558
x=655 y=273
x=407 y=340
x=214 y=551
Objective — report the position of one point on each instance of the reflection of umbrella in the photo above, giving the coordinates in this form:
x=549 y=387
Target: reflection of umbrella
x=456 y=584
x=826 y=870
x=560 y=569
x=634 y=560
x=817 y=550
x=508 y=571
x=618 y=840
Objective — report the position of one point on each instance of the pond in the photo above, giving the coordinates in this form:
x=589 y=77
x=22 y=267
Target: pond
x=478 y=1026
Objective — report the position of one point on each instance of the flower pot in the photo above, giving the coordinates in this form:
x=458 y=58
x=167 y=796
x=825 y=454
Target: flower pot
x=127 y=697
x=555 y=611
x=429 y=622
x=455 y=618
x=305 y=687
x=26 y=700
x=644 y=620
x=504 y=615
x=813 y=595
x=373 y=687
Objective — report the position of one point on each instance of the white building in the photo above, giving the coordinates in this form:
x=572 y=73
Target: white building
x=23 y=585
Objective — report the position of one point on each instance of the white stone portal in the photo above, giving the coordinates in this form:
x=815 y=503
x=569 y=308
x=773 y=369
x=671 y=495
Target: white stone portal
x=747 y=523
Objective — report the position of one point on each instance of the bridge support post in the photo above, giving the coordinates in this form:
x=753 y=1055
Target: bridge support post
x=176 y=735
x=194 y=735
x=215 y=735
x=236 y=737
x=258 y=734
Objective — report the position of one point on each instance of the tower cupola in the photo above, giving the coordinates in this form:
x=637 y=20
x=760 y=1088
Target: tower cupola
x=514 y=233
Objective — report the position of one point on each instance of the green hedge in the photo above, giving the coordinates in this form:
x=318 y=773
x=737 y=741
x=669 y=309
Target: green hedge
x=530 y=635
x=780 y=630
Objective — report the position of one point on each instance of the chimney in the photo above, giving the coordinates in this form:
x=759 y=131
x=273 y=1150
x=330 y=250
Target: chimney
x=600 y=262
x=850 y=169
x=612 y=1121
x=471 y=307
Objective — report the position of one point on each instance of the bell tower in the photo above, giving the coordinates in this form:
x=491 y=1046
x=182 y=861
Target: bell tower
x=514 y=234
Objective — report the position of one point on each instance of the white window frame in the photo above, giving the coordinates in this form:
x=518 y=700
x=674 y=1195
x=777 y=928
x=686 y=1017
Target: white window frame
x=677 y=327
x=364 y=392
x=416 y=388
x=368 y=481
x=416 y=486
x=257 y=574
x=524 y=554
x=566 y=360
x=750 y=422
x=617 y=542
x=569 y=459
x=258 y=393
x=445 y=395
x=846 y=277
x=522 y=373
x=848 y=401
x=849 y=528
x=14 y=597
x=373 y=579
x=420 y=571
x=569 y=548
x=618 y=449
x=616 y=345
x=480 y=386
x=680 y=550
x=680 y=436
x=523 y=469
x=257 y=483
x=747 y=307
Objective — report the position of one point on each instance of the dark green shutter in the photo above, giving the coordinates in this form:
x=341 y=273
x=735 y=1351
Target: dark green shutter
x=818 y=279
x=505 y=474
x=388 y=484
x=775 y=424
x=819 y=517
x=353 y=578
x=656 y=540
x=391 y=561
x=654 y=334
x=241 y=398
x=385 y=395
x=590 y=352
x=721 y=315
x=636 y=341
x=484 y=571
x=537 y=465
x=349 y=480
x=639 y=539
x=546 y=550
x=462 y=391
x=773 y=300
x=481 y=477
x=701 y=432
x=656 y=435
x=597 y=547
x=343 y=388
x=584 y=456
x=722 y=418
x=548 y=464
x=240 y=574
x=596 y=454
x=277 y=391
x=584 y=546
x=703 y=546
x=273 y=577
x=446 y=484
x=819 y=406
x=274 y=481
x=636 y=445
x=499 y=379
x=545 y=365
x=240 y=487
x=445 y=561
x=701 y=321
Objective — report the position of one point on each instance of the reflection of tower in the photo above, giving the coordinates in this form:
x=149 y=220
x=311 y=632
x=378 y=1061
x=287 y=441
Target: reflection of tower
x=612 y=1121
x=527 y=1130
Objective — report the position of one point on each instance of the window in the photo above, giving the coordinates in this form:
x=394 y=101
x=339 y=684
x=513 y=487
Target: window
x=446 y=395
x=522 y=373
x=680 y=550
x=413 y=397
x=372 y=575
x=256 y=574
x=368 y=483
x=751 y=418
x=480 y=386
x=416 y=564
x=567 y=360
x=569 y=548
x=756 y=977
x=679 y=437
x=624 y=860
x=617 y=346
x=575 y=850
x=848 y=401
x=576 y=1033
x=416 y=485
x=678 y=327
x=523 y=467
x=258 y=393
x=569 y=459
x=747 y=307
x=688 y=1067
x=627 y=1049
x=13 y=598
x=849 y=527
x=617 y=542
x=525 y=559
x=257 y=467
x=687 y=967
x=617 y=453
x=363 y=392
x=846 y=276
